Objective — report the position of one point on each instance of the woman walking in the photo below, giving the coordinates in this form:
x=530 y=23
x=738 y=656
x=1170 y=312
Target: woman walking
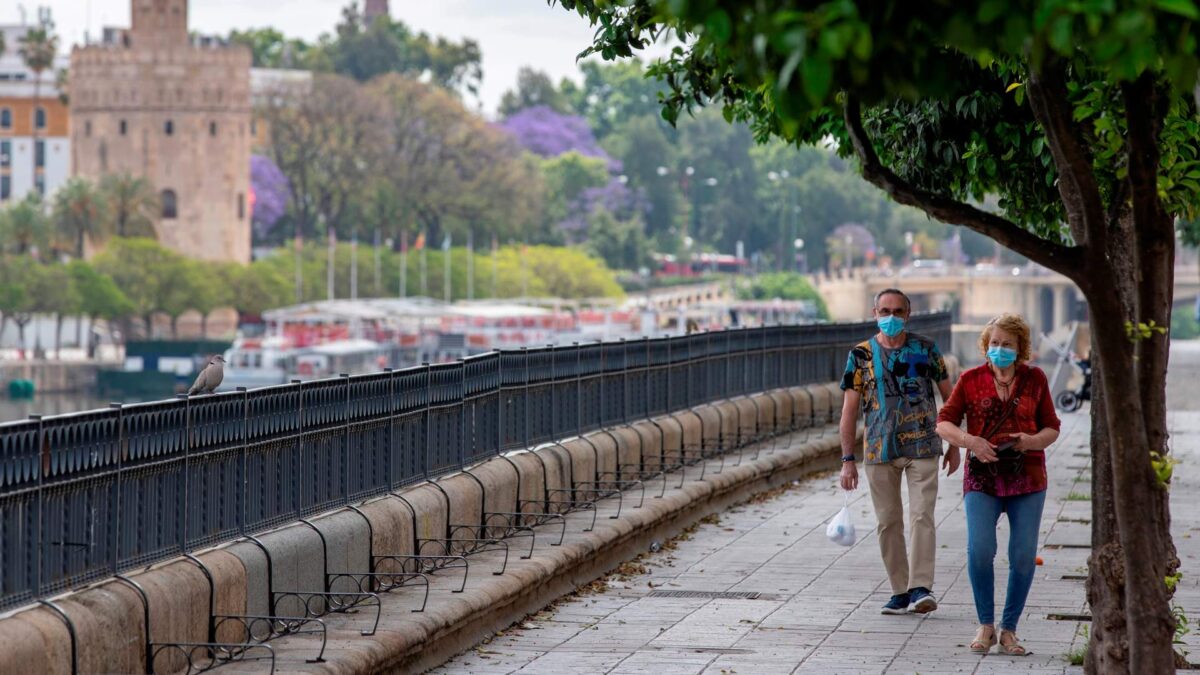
x=1010 y=422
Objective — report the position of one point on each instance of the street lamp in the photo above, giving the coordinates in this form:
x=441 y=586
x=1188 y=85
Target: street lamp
x=801 y=258
x=908 y=247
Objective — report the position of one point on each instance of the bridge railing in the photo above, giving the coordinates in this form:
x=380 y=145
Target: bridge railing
x=88 y=495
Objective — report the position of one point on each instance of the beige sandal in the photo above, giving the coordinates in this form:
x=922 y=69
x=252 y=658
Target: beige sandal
x=983 y=645
x=1013 y=646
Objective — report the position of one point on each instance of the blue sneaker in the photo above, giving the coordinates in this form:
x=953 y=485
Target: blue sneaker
x=922 y=601
x=897 y=605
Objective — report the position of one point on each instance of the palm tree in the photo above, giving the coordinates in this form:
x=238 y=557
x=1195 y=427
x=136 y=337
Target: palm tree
x=80 y=213
x=23 y=225
x=133 y=205
x=38 y=48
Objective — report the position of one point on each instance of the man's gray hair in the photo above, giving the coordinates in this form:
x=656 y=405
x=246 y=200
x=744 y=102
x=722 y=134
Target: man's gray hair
x=893 y=291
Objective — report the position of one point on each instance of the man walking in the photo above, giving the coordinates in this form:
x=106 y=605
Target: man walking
x=891 y=378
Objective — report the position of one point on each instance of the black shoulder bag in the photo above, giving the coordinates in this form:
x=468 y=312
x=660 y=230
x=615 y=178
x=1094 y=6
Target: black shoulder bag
x=1008 y=460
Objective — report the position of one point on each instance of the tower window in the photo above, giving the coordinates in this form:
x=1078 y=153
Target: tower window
x=169 y=208
x=39 y=154
x=124 y=127
x=5 y=187
x=169 y=128
x=5 y=118
x=39 y=118
x=254 y=128
x=5 y=154
x=87 y=128
x=212 y=128
x=241 y=206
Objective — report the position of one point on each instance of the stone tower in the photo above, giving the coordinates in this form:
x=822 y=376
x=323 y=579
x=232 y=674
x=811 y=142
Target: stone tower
x=375 y=8
x=153 y=104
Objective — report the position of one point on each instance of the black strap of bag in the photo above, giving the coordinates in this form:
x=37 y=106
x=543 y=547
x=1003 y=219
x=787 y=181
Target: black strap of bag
x=1008 y=460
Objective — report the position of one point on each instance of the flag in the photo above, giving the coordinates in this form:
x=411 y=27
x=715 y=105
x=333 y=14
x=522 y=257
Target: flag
x=446 y=242
x=419 y=244
x=404 y=241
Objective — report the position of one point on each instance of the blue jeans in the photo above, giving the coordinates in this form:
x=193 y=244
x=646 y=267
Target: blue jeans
x=1024 y=517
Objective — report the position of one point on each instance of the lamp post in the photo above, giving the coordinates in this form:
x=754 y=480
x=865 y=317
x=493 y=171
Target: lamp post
x=685 y=181
x=801 y=258
x=908 y=248
x=787 y=211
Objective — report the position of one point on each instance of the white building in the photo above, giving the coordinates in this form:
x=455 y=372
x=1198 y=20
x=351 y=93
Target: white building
x=19 y=116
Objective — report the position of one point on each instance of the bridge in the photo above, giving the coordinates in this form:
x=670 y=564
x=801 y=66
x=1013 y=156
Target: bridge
x=253 y=526
x=1048 y=300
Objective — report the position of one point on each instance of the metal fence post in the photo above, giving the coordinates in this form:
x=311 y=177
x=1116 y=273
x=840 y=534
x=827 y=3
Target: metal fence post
x=115 y=536
x=187 y=459
x=390 y=464
x=298 y=470
x=243 y=469
x=44 y=462
x=346 y=441
x=428 y=419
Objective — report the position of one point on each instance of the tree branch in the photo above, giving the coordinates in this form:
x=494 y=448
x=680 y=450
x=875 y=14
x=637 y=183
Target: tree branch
x=1067 y=260
x=1047 y=90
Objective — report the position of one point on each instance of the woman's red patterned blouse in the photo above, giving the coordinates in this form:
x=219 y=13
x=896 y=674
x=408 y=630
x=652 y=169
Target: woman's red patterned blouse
x=975 y=397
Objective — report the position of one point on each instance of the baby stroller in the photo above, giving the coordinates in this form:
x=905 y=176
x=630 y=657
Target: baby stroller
x=1070 y=400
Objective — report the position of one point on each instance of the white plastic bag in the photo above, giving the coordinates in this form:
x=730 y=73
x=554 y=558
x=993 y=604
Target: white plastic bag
x=840 y=530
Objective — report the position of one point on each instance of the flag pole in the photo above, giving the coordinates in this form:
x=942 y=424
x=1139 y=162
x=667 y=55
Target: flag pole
x=446 y=265
x=329 y=263
x=494 y=267
x=424 y=268
x=404 y=264
x=354 y=264
x=470 y=265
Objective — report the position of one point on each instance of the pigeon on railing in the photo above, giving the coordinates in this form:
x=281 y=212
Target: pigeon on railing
x=209 y=378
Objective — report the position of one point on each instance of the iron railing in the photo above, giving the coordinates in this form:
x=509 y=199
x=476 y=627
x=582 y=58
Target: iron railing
x=89 y=495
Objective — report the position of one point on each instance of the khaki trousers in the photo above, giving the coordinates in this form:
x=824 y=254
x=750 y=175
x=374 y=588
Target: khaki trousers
x=907 y=569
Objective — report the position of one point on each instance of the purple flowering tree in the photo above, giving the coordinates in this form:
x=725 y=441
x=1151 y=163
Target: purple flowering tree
x=271 y=194
x=546 y=132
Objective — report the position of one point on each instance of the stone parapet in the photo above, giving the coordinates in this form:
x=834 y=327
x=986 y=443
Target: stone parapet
x=109 y=619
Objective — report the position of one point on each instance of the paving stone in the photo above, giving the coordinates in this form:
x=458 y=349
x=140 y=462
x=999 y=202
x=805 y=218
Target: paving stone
x=820 y=612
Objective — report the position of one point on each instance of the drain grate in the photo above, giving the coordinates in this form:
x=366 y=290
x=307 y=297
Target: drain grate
x=1074 y=577
x=1060 y=546
x=1069 y=617
x=714 y=595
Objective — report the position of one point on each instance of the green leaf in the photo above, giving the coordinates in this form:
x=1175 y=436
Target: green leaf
x=990 y=10
x=1014 y=85
x=1184 y=8
x=864 y=44
x=818 y=77
x=719 y=26
x=1038 y=144
x=1060 y=34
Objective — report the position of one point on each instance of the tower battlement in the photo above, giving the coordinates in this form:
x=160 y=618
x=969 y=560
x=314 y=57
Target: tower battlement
x=158 y=106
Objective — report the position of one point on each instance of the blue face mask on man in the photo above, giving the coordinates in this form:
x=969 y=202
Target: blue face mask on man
x=1002 y=357
x=890 y=325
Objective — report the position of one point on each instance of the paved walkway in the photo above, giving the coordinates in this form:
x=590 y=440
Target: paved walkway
x=818 y=608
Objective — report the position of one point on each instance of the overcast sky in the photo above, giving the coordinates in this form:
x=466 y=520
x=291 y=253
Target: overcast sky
x=511 y=33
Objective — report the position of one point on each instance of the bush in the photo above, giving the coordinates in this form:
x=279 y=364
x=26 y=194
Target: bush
x=785 y=286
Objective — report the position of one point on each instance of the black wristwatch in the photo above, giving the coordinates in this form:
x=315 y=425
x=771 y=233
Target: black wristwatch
x=847 y=458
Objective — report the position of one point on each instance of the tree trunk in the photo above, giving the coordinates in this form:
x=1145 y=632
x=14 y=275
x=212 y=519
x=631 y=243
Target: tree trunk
x=58 y=322
x=204 y=325
x=21 y=336
x=148 y=318
x=79 y=330
x=1108 y=648
x=37 y=100
x=1145 y=546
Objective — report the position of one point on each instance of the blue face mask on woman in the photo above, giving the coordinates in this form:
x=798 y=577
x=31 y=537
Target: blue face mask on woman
x=1002 y=357
x=890 y=325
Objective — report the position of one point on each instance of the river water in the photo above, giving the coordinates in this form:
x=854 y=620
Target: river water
x=49 y=404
